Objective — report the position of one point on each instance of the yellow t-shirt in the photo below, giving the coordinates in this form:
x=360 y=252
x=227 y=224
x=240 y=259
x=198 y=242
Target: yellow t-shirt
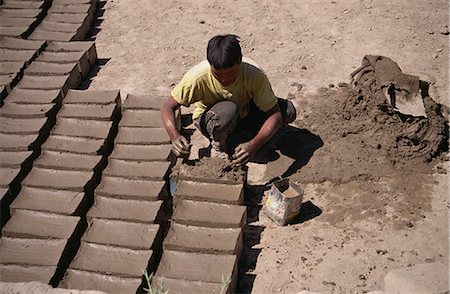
x=199 y=86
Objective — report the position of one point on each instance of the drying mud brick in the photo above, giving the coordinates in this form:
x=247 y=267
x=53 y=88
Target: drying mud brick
x=14 y=159
x=104 y=97
x=31 y=251
x=83 y=280
x=74 y=46
x=204 y=240
x=57 y=179
x=141 y=152
x=45 y=83
x=67 y=161
x=17 y=55
x=23 y=13
x=72 y=8
x=23 y=4
x=74 y=144
x=127 y=188
x=22 y=126
x=89 y=111
x=15 y=31
x=125 y=209
x=78 y=18
x=24 y=273
x=15 y=110
x=29 y=224
x=56 y=69
x=120 y=233
x=179 y=286
x=55 y=201
x=40 y=34
x=28 y=96
x=212 y=192
x=111 y=259
x=80 y=57
x=137 y=169
x=11 y=67
x=7 y=175
x=21 y=44
x=144 y=102
x=193 y=266
x=141 y=118
x=68 y=2
x=75 y=29
x=13 y=142
x=208 y=214
x=16 y=22
x=142 y=136
x=82 y=128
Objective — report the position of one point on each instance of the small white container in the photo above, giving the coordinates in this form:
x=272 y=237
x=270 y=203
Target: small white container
x=283 y=202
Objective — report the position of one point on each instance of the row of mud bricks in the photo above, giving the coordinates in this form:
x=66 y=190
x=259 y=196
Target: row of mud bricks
x=85 y=198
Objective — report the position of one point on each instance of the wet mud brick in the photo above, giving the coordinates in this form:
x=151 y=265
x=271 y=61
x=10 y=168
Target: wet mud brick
x=58 y=179
x=137 y=169
x=206 y=214
x=132 y=189
x=21 y=44
x=17 y=22
x=18 y=32
x=55 y=69
x=73 y=8
x=8 y=82
x=21 y=13
x=205 y=240
x=90 y=111
x=142 y=136
x=39 y=34
x=125 y=209
x=67 y=161
x=14 y=159
x=121 y=233
x=144 y=102
x=35 y=224
x=78 y=145
x=103 y=97
x=11 y=67
x=111 y=259
x=79 y=57
x=78 y=30
x=22 y=4
x=141 y=118
x=45 y=83
x=17 y=55
x=211 y=192
x=141 y=152
x=84 y=280
x=82 y=128
x=198 y=266
x=179 y=286
x=34 y=96
x=21 y=273
x=9 y=176
x=15 y=110
x=22 y=126
x=54 y=201
x=19 y=142
x=74 y=46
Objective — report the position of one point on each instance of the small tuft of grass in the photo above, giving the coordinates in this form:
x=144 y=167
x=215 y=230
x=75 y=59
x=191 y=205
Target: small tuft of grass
x=158 y=289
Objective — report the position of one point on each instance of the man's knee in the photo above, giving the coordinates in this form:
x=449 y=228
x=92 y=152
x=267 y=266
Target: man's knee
x=287 y=110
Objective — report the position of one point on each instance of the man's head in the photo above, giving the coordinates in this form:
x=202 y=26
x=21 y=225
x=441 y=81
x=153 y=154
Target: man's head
x=224 y=55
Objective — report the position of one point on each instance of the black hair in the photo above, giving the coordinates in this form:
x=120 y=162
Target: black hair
x=224 y=51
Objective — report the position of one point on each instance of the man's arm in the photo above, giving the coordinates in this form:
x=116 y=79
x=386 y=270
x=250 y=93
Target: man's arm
x=245 y=151
x=180 y=144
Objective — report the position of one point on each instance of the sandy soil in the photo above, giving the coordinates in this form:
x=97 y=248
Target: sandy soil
x=357 y=225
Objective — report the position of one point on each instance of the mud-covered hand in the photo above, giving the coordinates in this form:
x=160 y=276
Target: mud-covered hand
x=243 y=153
x=181 y=147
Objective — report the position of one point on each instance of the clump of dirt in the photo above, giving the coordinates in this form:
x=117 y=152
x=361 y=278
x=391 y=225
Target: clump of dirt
x=209 y=169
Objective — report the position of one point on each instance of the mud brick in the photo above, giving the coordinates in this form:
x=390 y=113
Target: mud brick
x=14 y=110
x=8 y=81
x=97 y=258
x=179 y=286
x=57 y=179
x=11 y=67
x=121 y=233
x=7 y=175
x=35 y=96
x=26 y=273
x=197 y=266
x=144 y=102
x=89 y=111
x=45 y=83
x=72 y=8
x=208 y=214
x=68 y=17
x=205 y=240
x=49 y=69
x=127 y=188
x=40 y=34
x=17 y=22
x=22 y=4
x=83 y=280
x=15 y=31
x=125 y=209
x=74 y=46
x=141 y=152
x=15 y=142
x=22 y=13
x=17 y=55
x=135 y=170
x=53 y=26
x=142 y=136
x=77 y=145
x=21 y=126
x=68 y=57
x=31 y=251
x=141 y=118
x=93 y=97
x=67 y=161
x=22 y=44
x=29 y=224
x=54 y=201
x=82 y=128
x=212 y=192
x=67 y=2
x=14 y=159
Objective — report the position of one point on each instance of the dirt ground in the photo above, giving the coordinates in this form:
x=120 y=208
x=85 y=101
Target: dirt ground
x=357 y=223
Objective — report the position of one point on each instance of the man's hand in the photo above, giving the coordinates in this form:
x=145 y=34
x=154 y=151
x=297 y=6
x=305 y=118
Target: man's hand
x=181 y=147
x=243 y=153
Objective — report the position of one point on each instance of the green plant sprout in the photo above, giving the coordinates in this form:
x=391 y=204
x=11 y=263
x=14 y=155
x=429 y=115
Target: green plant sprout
x=158 y=289
x=225 y=284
